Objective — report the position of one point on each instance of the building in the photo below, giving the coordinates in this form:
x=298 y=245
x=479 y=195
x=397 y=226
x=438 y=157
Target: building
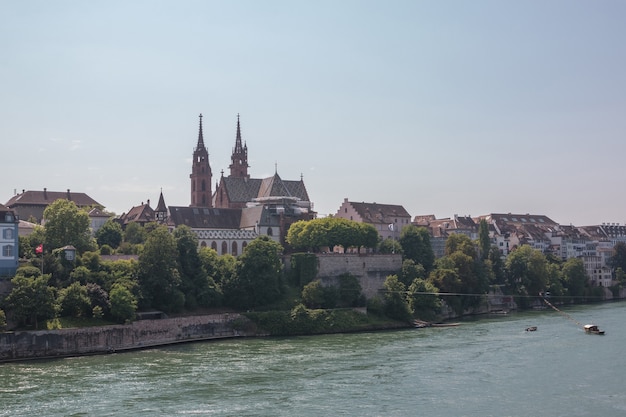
x=440 y=229
x=31 y=204
x=387 y=219
x=240 y=209
x=9 y=242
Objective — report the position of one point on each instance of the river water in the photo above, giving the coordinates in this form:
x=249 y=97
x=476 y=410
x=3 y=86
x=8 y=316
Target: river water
x=485 y=367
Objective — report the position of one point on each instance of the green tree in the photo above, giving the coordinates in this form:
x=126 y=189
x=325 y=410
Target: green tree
x=575 y=276
x=313 y=294
x=74 y=301
x=527 y=271
x=258 y=277
x=423 y=299
x=31 y=299
x=66 y=224
x=159 y=277
x=416 y=245
x=135 y=234
x=483 y=239
x=123 y=303
x=198 y=287
x=395 y=304
x=390 y=245
x=410 y=271
x=110 y=234
x=350 y=294
x=618 y=259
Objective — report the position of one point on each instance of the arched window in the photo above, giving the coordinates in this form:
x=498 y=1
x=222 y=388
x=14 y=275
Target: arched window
x=269 y=231
x=234 y=249
x=224 y=248
x=243 y=246
x=214 y=246
x=203 y=244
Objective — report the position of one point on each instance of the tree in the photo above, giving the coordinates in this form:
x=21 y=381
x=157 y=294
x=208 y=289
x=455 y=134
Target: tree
x=159 y=277
x=66 y=224
x=575 y=276
x=423 y=299
x=110 y=234
x=134 y=234
x=123 y=303
x=198 y=287
x=410 y=271
x=31 y=299
x=527 y=271
x=394 y=302
x=313 y=294
x=390 y=245
x=350 y=291
x=618 y=260
x=330 y=232
x=415 y=243
x=74 y=301
x=258 y=277
x=483 y=239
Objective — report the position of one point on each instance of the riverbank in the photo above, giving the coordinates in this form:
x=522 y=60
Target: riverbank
x=141 y=334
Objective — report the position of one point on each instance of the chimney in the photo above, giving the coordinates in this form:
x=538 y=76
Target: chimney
x=69 y=197
x=148 y=200
x=45 y=193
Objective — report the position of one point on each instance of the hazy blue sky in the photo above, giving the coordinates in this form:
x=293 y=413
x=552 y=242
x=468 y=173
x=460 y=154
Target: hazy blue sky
x=444 y=107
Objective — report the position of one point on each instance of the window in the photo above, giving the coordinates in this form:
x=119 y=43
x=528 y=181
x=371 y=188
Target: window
x=234 y=249
x=7 y=233
x=7 y=251
x=224 y=248
x=269 y=231
x=214 y=246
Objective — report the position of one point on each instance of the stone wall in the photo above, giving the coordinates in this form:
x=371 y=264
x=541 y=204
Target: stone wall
x=107 y=339
x=370 y=269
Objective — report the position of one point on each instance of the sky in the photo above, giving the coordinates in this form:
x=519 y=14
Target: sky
x=445 y=108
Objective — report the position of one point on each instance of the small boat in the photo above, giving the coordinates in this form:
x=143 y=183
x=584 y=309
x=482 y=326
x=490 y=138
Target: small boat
x=592 y=329
x=531 y=329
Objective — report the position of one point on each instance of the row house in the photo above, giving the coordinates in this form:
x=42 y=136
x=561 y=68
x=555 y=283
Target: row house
x=440 y=229
x=9 y=243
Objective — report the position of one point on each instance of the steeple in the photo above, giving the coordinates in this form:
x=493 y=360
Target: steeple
x=161 y=210
x=201 y=176
x=239 y=158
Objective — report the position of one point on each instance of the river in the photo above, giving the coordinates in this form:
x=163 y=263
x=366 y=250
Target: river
x=489 y=366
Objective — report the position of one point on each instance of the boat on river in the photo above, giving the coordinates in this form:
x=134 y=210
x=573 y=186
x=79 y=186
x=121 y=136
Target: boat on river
x=592 y=329
x=420 y=324
x=531 y=329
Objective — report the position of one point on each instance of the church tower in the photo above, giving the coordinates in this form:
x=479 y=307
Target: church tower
x=201 y=176
x=239 y=158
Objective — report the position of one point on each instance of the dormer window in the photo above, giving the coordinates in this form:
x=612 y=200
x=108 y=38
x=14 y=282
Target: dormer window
x=8 y=217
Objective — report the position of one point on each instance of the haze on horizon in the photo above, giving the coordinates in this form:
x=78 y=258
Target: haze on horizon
x=444 y=108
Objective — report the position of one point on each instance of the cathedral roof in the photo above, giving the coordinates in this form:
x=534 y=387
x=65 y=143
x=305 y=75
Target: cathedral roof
x=205 y=217
x=244 y=190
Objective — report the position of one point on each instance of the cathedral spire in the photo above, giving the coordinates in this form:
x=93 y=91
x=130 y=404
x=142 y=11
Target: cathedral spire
x=201 y=176
x=200 y=135
x=239 y=158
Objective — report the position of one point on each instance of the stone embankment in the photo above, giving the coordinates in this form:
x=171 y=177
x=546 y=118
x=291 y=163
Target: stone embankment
x=25 y=345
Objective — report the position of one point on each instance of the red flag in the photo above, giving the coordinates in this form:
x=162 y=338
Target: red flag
x=39 y=249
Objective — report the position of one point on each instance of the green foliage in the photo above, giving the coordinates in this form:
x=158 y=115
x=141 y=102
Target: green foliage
x=410 y=271
x=423 y=299
x=74 y=301
x=159 y=278
x=31 y=299
x=66 y=224
x=313 y=294
x=3 y=319
x=303 y=268
x=350 y=291
x=389 y=245
x=301 y=320
x=135 y=234
x=329 y=232
x=415 y=242
x=110 y=234
x=198 y=288
x=527 y=271
x=484 y=241
x=123 y=303
x=395 y=302
x=575 y=276
x=258 y=277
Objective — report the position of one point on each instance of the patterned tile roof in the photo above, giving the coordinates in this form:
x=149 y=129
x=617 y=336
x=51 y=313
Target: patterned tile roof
x=205 y=217
x=242 y=190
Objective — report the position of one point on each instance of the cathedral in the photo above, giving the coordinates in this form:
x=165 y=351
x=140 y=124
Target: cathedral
x=241 y=208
